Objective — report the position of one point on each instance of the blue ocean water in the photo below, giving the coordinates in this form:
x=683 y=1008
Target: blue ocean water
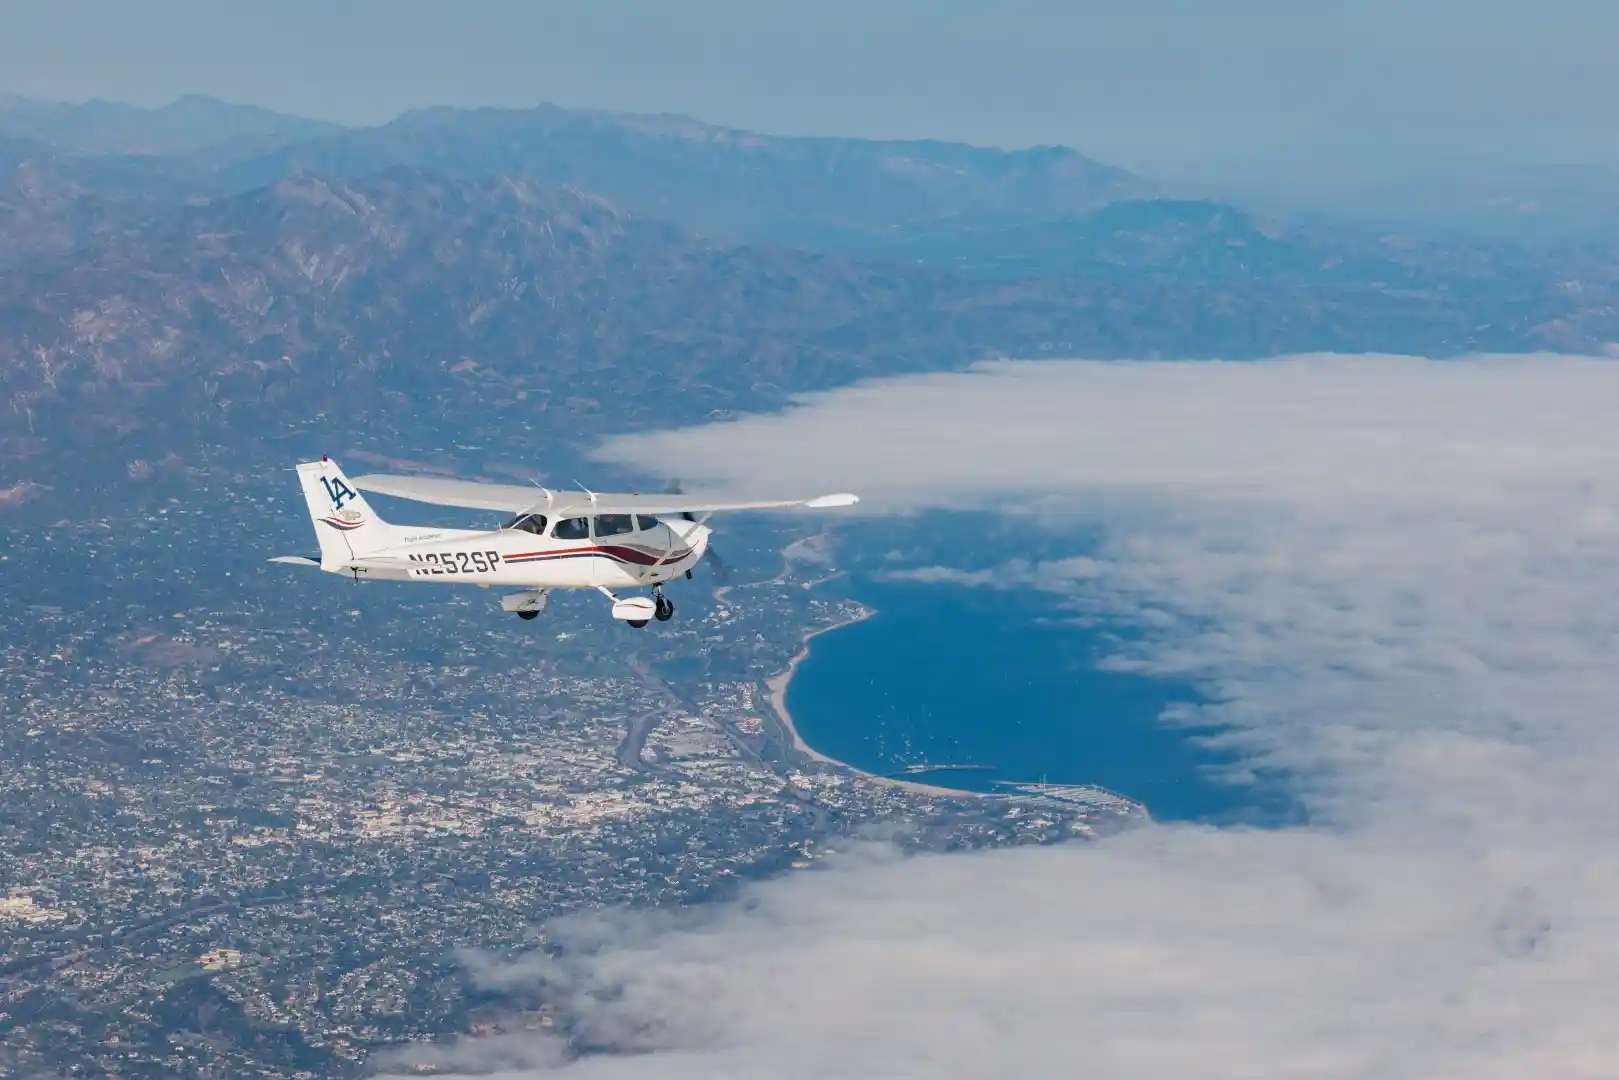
x=946 y=674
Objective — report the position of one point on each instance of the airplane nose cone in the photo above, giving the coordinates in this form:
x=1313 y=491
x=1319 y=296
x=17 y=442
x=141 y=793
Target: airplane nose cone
x=698 y=539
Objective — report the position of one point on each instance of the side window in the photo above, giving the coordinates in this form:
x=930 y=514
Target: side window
x=530 y=523
x=614 y=525
x=573 y=529
x=646 y=521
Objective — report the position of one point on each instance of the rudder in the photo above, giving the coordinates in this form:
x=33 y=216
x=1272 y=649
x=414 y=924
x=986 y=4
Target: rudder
x=345 y=524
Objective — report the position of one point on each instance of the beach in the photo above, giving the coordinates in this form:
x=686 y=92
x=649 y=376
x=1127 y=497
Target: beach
x=777 y=686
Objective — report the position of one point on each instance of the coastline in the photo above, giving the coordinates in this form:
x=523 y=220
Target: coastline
x=777 y=686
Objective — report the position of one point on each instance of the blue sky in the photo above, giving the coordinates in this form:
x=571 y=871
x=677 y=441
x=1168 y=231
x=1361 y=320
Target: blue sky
x=1229 y=89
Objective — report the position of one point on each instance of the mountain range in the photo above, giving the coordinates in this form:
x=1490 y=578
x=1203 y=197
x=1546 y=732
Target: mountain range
x=211 y=279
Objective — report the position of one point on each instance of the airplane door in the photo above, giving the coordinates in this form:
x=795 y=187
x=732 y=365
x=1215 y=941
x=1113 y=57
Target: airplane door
x=579 y=569
x=613 y=531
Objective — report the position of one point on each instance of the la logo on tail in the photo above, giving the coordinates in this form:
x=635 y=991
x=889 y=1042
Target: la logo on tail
x=337 y=491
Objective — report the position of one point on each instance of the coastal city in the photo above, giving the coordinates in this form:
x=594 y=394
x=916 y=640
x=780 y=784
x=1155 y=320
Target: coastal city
x=988 y=541
x=253 y=817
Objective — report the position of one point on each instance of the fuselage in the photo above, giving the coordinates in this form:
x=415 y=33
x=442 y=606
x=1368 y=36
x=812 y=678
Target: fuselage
x=648 y=552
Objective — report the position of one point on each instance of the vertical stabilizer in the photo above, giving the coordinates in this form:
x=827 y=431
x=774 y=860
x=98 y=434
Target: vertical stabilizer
x=345 y=524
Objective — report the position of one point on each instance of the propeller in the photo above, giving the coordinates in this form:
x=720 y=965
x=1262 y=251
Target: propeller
x=721 y=574
x=673 y=488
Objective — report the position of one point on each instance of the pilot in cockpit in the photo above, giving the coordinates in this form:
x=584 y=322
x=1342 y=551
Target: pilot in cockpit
x=529 y=523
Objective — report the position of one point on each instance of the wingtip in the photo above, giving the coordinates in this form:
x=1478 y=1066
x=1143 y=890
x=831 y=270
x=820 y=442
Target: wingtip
x=842 y=498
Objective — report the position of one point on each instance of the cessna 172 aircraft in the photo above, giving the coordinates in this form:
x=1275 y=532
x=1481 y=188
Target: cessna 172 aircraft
x=554 y=540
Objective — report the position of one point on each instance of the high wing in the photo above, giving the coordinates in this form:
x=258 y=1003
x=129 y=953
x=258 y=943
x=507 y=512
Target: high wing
x=518 y=499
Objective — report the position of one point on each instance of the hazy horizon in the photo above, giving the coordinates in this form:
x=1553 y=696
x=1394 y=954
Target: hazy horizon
x=1257 y=91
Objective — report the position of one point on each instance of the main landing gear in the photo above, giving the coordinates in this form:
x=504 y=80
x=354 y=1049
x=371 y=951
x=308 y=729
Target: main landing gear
x=525 y=605
x=637 y=611
x=663 y=608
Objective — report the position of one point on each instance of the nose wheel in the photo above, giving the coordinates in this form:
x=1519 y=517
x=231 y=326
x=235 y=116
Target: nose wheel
x=665 y=609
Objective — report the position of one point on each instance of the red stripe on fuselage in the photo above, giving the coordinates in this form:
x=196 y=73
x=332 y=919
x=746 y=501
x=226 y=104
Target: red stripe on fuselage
x=632 y=555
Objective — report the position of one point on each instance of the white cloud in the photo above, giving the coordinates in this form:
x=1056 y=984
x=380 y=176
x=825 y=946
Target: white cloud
x=1168 y=953
x=1298 y=430
x=1014 y=573
x=1399 y=579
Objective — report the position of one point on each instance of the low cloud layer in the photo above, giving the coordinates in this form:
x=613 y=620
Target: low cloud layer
x=1298 y=431
x=1397 y=578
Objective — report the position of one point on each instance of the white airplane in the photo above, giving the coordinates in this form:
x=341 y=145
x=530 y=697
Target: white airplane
x=555 y=540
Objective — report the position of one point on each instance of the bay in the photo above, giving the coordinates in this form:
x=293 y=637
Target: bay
x=997 y=680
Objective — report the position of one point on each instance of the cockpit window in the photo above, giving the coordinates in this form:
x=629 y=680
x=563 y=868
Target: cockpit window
x=614 y=524
x=572 y=529
x=529 y=523
x=646 y=521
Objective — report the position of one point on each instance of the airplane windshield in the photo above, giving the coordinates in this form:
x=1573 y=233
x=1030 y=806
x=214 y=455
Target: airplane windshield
x=646 y=521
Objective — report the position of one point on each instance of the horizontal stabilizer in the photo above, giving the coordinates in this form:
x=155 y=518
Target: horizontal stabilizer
x=297 y=560
x=382 y=560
